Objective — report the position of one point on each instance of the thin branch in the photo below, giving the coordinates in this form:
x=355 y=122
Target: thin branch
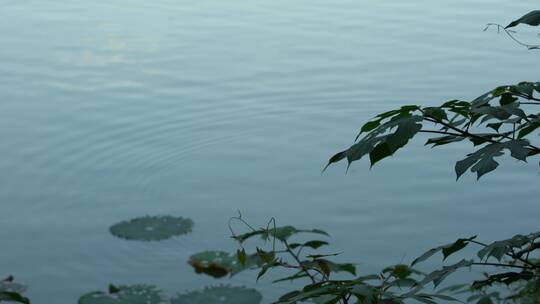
x=528 y=97
x=297 y=259
x=468 y=134
x=530 y=103
x=533 y=247
x=441 y=132
x=509 y=33
x=501 y=265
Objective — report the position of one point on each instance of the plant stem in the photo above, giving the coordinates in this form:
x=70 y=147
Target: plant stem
x=297 y=259
x=501 y=265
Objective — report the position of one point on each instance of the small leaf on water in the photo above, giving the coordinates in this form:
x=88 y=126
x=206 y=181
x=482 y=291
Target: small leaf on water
x=152 y=228
x=222 y=294
x=133 y=294
x=218 y=264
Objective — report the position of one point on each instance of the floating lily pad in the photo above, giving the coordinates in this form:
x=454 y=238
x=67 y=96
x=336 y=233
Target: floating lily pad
x=10 y=286
x=152 y=228
x=219 y=295
x=220 y=263
x=11 y=292
x=134 y=294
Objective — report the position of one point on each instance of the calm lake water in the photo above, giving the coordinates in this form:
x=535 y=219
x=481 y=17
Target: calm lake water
x=115 y=109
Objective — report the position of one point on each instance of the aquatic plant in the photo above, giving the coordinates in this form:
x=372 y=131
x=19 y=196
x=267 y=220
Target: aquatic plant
x=152 y=228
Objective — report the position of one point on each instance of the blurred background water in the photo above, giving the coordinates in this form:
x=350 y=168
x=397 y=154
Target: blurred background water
x=121 y=108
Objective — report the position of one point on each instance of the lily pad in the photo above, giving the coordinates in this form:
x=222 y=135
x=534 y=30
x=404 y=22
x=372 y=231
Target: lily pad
x=134 y=294
x=220 y=263
x=152 y=228
x=219 y=295
x=11 y=292
x=8 y=285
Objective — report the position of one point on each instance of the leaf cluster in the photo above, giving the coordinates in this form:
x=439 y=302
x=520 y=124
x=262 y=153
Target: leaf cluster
x=500 y=121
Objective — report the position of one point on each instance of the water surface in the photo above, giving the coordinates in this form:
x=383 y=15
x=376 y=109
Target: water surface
x=116 y=109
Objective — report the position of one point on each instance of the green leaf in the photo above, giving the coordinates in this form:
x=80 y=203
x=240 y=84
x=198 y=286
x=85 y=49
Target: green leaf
x=152 y=228
x=443 y=140
x=11 y=286
x=438 y=276
x=266 y=257
x=531 y=18
x=314 y=291
x=482 y=161
x=495 y=126
x=517 y=149
x=498 y=249
x=435 y=112
x=219 y=295
x=262 y=272
x=506 y=278
x=385 y=139
x=401 y=271
x=134 y=294
x=507 y=98
x=455 y=247
x=370 y=125
x=525 y=88
x=424 y=299
x=315 y=244
x=447 y=249
x=242 y=257
x=365 y=293
x=380 y=151
x=13 y=297
x=329 y=265
x=528 y=129
x=12 y=291
x=336 y=158
x=280 y=233
x=458 y=288
x=219 y=263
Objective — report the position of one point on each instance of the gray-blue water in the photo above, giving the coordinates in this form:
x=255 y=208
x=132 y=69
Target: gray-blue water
x=115 y=109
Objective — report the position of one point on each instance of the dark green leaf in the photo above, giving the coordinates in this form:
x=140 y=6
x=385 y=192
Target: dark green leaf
x=443 y=140
x=315 y=244
x=531 y=18
x=447 y=249
x=13 y=297
x=506 y=99
x=435 y=112
x=456 y=246
x=370 y=125
x=482 y=161
x=219 y=263
x=280 y=233
x=439 y=275
x=528 y=129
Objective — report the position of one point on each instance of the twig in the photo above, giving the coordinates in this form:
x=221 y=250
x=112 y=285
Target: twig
x=509 y=33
